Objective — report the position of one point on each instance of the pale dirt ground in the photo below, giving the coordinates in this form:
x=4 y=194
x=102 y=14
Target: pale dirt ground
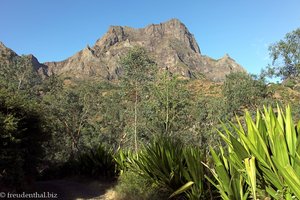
x=76 y=189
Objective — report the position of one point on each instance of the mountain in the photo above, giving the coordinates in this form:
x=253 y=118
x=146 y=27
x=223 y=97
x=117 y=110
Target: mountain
x=9 y=57
x=170 y=44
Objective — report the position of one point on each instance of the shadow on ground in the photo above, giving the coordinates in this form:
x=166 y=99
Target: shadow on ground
x=72 y=189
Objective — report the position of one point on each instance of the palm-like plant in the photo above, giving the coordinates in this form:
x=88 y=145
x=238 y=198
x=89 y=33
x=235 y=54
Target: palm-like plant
x=173 y=167
x=265 y=155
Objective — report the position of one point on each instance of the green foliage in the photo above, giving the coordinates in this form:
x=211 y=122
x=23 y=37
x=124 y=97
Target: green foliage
x=208 y=111
x=167 y=110
x=138 y=67
x=132 y=186
x=286 y=56
x=81 y=118
x=67 y=114
x=139 y=71
x=169 y=165
x=229 y=182
x=265 y=155
x=21 y=137
x=243 y=91
x=162 y=162
x=20 y=75
x=124 y=159
x=98 y=162
x=194 y=173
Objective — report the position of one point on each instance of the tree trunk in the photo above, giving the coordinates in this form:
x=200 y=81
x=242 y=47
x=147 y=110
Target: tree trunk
x=167 y=111
x=135 y=121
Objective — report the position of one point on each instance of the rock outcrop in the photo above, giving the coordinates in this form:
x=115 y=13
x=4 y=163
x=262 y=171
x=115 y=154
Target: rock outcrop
x=8 y=56
x=170 y=44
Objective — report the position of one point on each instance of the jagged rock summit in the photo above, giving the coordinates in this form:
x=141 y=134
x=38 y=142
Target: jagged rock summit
x=6 y=54
x=170 y=44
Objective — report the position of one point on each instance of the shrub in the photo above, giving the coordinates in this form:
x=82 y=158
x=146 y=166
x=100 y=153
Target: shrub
x=21 y=139
x=265 y=158
x=95 y=162
x=132 y=186
x=169 y=165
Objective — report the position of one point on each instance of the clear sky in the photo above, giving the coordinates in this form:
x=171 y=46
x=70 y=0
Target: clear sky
x=53 y=30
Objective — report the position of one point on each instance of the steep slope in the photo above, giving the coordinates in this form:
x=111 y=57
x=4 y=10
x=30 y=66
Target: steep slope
x=8 y=56
x=170 y=44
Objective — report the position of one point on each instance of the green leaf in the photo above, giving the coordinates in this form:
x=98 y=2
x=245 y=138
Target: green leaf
x=182 y=189
x=251 y=172
x=239 y=149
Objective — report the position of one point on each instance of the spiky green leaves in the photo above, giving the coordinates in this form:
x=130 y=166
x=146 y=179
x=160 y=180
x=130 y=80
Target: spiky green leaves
x=265 y=155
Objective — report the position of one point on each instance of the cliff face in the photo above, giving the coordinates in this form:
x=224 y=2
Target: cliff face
x=170 y=44
x=8 y=56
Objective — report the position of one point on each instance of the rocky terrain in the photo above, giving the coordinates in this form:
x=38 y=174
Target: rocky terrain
x=8 y=56
x=170 y=44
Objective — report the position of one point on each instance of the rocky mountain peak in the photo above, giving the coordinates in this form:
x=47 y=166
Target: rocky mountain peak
x=2 y=46
x=170 y=44
x=6 y=54
x=173 y=29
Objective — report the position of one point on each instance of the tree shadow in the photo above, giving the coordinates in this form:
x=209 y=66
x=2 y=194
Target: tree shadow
x=70 y=189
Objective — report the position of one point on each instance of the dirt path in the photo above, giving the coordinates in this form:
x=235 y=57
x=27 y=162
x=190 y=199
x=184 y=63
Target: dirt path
x=73 y=189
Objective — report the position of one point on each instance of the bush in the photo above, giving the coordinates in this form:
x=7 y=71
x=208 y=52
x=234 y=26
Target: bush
x=96 y=162
x=263 y=161
x=132 y=186
x=176 y=169
x=21 y=139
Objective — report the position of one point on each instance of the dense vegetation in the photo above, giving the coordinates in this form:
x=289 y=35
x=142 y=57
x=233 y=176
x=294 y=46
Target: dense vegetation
x=160 y=135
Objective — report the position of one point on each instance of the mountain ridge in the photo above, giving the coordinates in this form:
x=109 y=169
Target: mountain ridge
x=169 y=43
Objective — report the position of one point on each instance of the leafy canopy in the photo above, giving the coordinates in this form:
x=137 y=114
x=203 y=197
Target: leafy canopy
x=285 y=55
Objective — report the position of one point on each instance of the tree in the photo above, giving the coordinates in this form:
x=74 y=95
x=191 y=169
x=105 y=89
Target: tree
x=22 y=134
x=139 y=69
x=208 y=112
x=167 y=110
x=67 y=113
x=20 y=75
x=242 y=90
x=286 y=56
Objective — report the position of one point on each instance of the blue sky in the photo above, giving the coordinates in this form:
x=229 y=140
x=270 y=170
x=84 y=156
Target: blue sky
x=53 y=30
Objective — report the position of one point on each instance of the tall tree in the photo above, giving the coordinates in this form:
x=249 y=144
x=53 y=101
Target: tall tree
x=67 y=112
x=19 y=74
x=167 y=111
x=22 y=133
x=286 y=56
x=139 y=69
x=241 y=91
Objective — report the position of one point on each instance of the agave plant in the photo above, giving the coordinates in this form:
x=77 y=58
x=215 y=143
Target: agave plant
x=230 y=183
x=162 y=161
x=265 y=154
x=96 y=162
x=124 y=160
x=170 y=165
x=194 y=173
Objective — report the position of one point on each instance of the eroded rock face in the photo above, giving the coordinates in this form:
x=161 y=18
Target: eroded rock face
x=170 y=44
x=8 y=56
